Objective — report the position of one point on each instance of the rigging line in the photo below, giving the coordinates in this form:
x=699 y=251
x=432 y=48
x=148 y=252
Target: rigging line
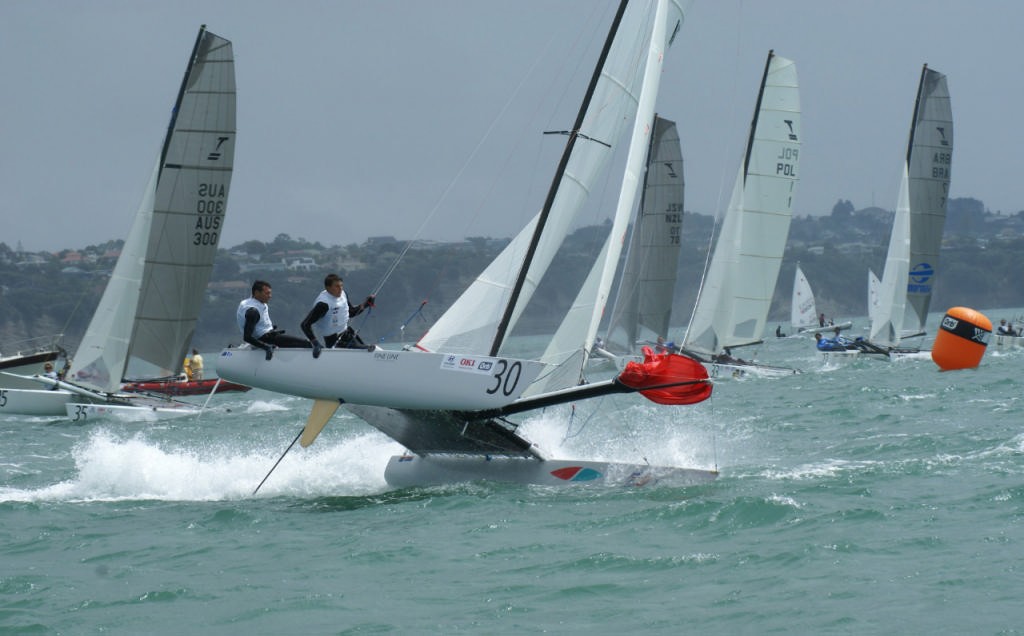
x=279 y=460
x=723 y=170
x=569 y=434
x=417 y=312
x=458 y=176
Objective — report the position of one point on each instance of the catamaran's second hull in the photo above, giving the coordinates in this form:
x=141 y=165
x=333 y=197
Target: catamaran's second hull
x=813 y=329
x=1003 y=341
x=80 y=413
x=39 y=402
x=836 y=358
x=723 y=370
x=396 y=379
x=405 y=471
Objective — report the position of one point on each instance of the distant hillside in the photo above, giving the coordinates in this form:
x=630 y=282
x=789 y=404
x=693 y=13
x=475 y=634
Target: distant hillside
x=43 y=294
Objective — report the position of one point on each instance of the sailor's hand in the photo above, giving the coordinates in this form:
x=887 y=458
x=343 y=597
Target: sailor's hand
x=316 y=348
x=270 y=352
x=369 y=300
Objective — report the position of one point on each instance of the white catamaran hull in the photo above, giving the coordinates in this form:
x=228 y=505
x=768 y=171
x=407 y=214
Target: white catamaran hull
x=813 y=329
x=724 y=370
x=33 y=401
x=1007 y=342
x=405 y=471
x=836 y=358
x=82 y=413
x=396 y=379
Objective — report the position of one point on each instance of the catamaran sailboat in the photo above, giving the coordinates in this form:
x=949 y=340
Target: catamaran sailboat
x=911 y=263
x=448 y=400
x=643 y=303
x=149 y=308
x=736 y=293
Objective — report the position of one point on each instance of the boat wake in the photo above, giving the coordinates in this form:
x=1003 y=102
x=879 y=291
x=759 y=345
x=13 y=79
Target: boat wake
x=112 y=468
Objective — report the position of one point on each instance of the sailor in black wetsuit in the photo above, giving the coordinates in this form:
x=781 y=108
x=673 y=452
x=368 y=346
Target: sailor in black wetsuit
x=329 y=318
x=253 y=318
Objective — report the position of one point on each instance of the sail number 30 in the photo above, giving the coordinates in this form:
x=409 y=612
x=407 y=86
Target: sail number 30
x=506 y=377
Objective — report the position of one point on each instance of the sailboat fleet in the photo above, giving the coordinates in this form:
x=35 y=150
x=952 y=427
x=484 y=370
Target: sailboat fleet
x=452 y=399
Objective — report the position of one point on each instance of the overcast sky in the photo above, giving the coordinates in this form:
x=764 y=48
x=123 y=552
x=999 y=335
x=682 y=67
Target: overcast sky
x=359 y=119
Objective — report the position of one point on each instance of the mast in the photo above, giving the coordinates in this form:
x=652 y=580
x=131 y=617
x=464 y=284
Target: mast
x=917 y=114
x=757 y=112
x=631 y=326
x=181 y=95
x=574 y=134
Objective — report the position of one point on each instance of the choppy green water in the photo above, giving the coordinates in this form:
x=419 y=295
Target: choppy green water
x=871 y=498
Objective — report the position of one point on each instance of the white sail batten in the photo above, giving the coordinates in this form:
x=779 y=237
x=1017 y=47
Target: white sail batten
x=614 y=103
x=648 y=280
x=150 y=306
x=737 y=291
x=929 y=163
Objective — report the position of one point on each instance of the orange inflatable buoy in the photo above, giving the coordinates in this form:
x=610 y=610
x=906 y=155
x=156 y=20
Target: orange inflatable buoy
x=962 y=338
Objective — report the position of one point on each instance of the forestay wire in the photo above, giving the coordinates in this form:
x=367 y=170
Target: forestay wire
x=462 y=170
x=723 y=172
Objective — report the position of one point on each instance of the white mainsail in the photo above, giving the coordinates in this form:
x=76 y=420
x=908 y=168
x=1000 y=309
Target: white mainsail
x=929 y=163
x=803 y=312
x=737 y=290
x=912 y=258
x=150 y=306
x=648 y=279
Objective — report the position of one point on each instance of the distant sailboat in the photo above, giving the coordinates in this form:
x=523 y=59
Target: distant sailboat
x=736 y=293
x=911 y=263
x=148 y=311
x=803 y=310
x=643 y=304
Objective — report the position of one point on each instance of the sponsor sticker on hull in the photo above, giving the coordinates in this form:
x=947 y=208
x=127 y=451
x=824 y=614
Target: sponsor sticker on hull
x=468 y=364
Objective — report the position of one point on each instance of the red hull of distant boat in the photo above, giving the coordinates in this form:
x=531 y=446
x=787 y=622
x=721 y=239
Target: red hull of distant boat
x=176 y=387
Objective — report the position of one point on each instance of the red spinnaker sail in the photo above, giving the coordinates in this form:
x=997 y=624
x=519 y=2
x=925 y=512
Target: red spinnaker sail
x=672 y=378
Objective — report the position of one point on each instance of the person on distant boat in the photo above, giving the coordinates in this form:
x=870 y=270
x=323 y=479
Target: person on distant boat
x=1005 y=329
x=829 y=344
x=726 y=357
x=253 y=318
x=186 y=366
x=665 y=347
x=196 y=366
x=48 y=371
x=821 y=320
x=329 y=318
x=778 y=332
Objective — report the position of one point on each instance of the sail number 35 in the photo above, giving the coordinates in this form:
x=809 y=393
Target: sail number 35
x=506 y=377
